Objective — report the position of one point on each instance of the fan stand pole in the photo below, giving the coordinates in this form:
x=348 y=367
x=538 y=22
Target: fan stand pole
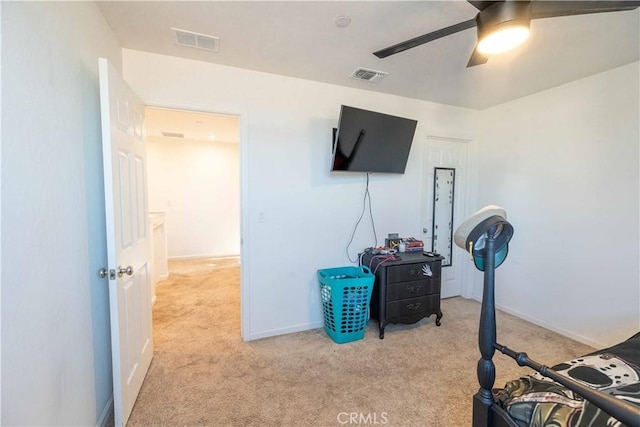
x=483 y=399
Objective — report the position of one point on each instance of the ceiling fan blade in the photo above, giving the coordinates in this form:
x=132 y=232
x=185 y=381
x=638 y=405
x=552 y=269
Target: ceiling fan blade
x=425 y=38
x=477 y=58
x=482 y=5
x=550 y=9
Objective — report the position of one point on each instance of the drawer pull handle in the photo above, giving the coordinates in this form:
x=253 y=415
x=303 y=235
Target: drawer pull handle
x=413 y=306
x=413 y=272
x=413 y=289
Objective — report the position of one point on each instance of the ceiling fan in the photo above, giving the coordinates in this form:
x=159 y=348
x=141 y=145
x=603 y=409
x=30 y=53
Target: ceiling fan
x=502 y=25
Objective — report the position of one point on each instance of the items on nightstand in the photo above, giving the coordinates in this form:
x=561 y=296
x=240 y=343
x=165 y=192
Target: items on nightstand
x=413 y=245
x=392 y=241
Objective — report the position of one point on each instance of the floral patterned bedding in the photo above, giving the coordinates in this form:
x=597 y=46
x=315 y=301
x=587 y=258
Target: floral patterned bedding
x=536 y=401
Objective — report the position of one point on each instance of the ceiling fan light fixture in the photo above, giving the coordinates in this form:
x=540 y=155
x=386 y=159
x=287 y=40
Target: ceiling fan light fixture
x=503 y=39
x=502 y=26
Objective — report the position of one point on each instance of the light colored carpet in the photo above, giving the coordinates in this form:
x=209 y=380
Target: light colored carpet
x=203 y=374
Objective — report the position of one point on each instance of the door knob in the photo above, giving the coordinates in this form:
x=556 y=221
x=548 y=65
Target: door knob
x=122 y=271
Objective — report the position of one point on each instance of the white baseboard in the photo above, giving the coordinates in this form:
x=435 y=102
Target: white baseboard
x=282 y=331
x=186 y=257
x=561 y=331
x=107 y=414
x=543 y=324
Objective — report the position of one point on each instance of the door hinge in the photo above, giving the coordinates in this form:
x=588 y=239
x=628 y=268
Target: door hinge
x=103 y=273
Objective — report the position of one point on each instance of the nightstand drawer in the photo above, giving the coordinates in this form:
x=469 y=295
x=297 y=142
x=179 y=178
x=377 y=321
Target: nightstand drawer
x=410 y=272
x=412 y=306
x=415 y=288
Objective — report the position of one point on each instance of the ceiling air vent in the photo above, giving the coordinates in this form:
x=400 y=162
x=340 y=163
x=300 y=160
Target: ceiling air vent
x=367 y=74
x=172 y=135
x=199 y=41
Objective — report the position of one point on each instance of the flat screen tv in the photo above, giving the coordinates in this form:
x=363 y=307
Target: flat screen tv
x=366 y=141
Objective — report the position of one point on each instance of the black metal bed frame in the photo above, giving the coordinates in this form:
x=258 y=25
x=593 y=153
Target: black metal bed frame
x=486 y=413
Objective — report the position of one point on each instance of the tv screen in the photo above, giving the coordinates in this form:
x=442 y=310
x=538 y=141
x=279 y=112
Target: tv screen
x=367 y=141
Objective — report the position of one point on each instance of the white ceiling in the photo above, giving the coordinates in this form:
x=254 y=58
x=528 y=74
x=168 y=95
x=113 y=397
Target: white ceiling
x=300 y=39
x=193 y=126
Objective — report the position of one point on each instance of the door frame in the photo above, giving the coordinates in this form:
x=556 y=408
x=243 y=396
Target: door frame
x=245 y=318
x=465 y=196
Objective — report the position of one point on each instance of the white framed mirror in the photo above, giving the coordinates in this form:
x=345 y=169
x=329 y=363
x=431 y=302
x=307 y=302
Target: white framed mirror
x=443 y=192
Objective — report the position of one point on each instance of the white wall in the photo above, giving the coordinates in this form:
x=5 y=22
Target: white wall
x=197 y=183
x=564 y=164
x=56 y=352
x=308 y=213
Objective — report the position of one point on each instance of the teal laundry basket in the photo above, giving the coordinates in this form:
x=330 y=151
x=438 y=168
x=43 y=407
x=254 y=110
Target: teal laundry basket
x=346 y=293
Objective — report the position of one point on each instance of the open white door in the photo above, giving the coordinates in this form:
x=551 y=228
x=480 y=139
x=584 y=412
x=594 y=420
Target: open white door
x=124 y=157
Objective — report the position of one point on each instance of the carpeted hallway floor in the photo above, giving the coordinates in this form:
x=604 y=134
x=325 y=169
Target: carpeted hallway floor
x=203 y=374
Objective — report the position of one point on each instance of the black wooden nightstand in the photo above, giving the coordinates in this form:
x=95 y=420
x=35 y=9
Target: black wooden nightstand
x=406 y=289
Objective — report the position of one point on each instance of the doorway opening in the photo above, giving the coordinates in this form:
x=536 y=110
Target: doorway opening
x=193 y=178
